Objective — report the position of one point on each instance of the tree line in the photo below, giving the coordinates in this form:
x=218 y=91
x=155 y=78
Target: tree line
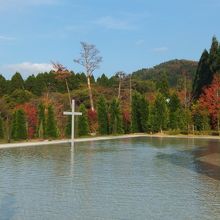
x=160 y=115
x=32 y=108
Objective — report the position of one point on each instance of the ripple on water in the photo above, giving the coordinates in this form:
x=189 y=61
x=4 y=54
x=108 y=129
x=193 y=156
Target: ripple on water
x=140 y=178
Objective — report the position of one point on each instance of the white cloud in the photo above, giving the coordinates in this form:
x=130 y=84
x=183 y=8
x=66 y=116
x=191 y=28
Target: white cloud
x=109 y=22
x=27 y=68
x=160 y=49
x=6 y=38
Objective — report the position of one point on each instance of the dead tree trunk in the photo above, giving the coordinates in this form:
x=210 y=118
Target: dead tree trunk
x=90 y=93
x=119 y=89
x=68 y=90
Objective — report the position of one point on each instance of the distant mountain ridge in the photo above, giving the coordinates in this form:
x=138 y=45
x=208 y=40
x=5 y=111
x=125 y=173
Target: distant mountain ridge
x=173 y=69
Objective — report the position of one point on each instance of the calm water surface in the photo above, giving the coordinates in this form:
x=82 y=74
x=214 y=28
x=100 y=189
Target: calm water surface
x=139 y=178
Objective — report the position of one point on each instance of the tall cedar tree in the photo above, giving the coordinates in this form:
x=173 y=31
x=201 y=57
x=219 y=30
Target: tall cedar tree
x=208 y=65
x=102 y=116
x=68 y=127
x=135 y=116
x=144 y=113
x=51 y=124
x=13 y=125
x=34 y=85
x=83 y=125
x=213 y=55
x=176 y=116
x=139 y=113
x=115 y=122
x=160 y=114
x=3 y=85
x=1 y=128
x=16 y=82
x=103 y=81
x=41 y=130
x=19 y=126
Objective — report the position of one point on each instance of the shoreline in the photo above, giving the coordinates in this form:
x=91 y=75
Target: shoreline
x=102 y=138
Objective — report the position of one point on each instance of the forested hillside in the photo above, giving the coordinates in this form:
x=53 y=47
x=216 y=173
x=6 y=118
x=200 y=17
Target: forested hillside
x=173 y=69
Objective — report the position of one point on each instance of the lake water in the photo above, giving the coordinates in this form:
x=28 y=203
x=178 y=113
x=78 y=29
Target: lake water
x=138 y=178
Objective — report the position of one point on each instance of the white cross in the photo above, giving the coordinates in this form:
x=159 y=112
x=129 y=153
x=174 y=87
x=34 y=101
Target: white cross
x=73 y=114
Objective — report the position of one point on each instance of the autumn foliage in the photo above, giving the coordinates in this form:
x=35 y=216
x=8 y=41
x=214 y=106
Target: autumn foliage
x=210 y=99
x=92 y=118
x=31 y=115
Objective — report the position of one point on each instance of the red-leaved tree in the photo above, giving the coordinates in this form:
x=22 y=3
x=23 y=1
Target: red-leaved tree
x=93 y=121
x=31 y=116
x=210 y=100
x=126 y=116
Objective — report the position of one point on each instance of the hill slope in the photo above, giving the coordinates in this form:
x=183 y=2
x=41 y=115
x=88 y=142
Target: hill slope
x=173 y=70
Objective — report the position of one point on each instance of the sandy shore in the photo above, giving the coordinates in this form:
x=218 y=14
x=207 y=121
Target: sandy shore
x=67 y=141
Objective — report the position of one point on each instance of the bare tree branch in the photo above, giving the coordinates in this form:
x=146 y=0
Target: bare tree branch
x=90 y=60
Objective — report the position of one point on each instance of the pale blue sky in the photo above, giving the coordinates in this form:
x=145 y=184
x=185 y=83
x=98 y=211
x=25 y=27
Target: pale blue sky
x=130 y=34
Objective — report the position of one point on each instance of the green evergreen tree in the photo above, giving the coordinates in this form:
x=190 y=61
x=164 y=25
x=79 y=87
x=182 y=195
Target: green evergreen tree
x=181 y=119
x=213 y=57
x=162 y=85
x=115 y=122
x=208 y=65
x=187 y=120
x=135 y=115
x=139 y=113
x=16 y=82
x=34 y=85
x=175 y=109
x=73 y=81
x=203 y=75
x=151 y=121
x=201 y=122
x=83 y=125
x=19 y=125
x=201 y=119
x=102 y=116
x=103 y=80
x=41 y=131
x=1 y=128
x=3 y=85
x=68 y=127
x=144 y=113
x=14 y=125
x=51 y=126
x=160 y=113
x=22 y=124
